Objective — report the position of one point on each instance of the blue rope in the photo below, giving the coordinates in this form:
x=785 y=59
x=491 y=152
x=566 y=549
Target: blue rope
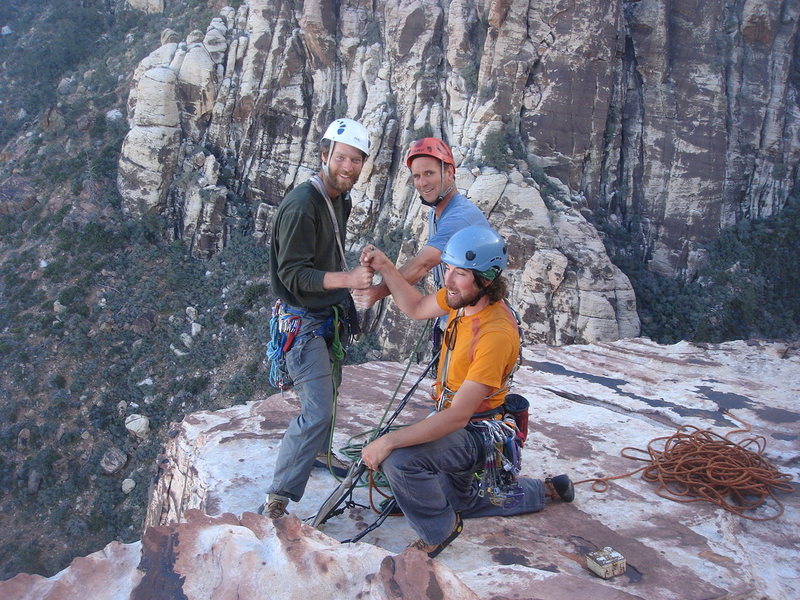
x=274 y=350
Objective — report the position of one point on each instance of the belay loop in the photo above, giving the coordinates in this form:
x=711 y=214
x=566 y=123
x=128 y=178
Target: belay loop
x=283 y=328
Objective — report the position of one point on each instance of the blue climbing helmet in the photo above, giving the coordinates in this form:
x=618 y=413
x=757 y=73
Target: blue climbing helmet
x=479 y=249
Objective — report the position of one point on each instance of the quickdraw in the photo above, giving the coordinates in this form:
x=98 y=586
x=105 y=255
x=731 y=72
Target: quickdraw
x=503 y=461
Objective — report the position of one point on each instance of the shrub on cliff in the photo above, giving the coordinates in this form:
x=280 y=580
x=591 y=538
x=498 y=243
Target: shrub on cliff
x=747 y=288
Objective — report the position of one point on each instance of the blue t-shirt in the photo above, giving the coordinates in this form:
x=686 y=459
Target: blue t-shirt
x=458 y=214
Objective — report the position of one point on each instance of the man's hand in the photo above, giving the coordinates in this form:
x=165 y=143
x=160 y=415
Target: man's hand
x=374 y=258
x=360 y=278
x=374 y=453
x=357 y=279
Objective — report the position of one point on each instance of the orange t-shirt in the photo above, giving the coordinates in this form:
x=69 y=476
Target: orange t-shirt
x=485 y=351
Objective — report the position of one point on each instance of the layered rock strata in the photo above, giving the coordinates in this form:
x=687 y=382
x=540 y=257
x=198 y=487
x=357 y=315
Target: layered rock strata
x=588 y=402
x=667 y=122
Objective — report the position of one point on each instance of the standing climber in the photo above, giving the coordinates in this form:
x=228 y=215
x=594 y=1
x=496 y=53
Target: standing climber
x=434 y=171
x=310 y=277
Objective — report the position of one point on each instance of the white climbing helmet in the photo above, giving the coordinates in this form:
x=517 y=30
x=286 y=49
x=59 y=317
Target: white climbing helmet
x=350 y=132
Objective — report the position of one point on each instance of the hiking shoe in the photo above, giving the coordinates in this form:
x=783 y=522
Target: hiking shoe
x=433 y=550
x=274 y=507
x=396 y=511
x=562 y=486
x=336 y=466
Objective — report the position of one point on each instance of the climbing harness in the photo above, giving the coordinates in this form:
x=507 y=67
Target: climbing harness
x=698 y=465
x=501 y=430
x=284 y=327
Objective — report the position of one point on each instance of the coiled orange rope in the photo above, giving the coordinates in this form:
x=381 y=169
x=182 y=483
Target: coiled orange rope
x=697 y=465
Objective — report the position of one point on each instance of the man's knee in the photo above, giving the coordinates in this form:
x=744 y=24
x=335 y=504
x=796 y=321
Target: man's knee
x=315 y=420
x=400 y=460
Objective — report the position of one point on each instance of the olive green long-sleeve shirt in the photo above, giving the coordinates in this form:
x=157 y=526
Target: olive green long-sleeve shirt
x=303 y=248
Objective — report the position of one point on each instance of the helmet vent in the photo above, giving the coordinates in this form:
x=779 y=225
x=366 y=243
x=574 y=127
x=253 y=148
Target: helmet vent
x=470 y=255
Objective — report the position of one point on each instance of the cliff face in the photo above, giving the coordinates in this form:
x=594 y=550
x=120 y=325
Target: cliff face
x=708 y=126
x=674 y=120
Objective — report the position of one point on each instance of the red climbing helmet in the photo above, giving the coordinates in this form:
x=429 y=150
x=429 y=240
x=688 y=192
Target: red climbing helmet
x=430 y=146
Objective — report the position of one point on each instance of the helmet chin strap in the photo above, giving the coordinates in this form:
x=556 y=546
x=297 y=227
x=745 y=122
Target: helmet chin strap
x=325 y=161
x=441 y=195
x=439 y=198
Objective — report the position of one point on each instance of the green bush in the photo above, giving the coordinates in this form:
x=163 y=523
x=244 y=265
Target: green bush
x=195 y=385
x=235 y=316
x=71 y=294
x=470 y=74
x=501 y=148
x=253 y=293
x=57 y=381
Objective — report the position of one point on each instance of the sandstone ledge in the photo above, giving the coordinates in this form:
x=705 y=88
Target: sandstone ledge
x=587 y=403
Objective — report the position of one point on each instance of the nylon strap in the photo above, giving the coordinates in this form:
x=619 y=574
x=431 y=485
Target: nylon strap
x=438 y=270
x=337 y=350
x=316 y=181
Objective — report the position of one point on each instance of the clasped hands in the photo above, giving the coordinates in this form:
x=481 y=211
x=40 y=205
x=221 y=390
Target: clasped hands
x=372 y=259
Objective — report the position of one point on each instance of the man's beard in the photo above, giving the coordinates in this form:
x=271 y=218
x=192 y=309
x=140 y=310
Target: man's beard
x=460 y=301
x=333 y=182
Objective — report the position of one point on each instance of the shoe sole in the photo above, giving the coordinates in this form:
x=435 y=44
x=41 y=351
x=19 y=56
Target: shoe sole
x=563 y=487
x=455 y=533
x=338 y=471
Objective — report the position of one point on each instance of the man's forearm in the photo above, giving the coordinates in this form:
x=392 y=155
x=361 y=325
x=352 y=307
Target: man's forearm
x=335 y=279
x=359 y=278
x=464 y=404
x=410 y=271
x=406 y=296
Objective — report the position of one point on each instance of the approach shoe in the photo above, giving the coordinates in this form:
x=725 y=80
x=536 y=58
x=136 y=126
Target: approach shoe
x=433 y=550
x=561 y=485
x=333 y=464
x=274 y=507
